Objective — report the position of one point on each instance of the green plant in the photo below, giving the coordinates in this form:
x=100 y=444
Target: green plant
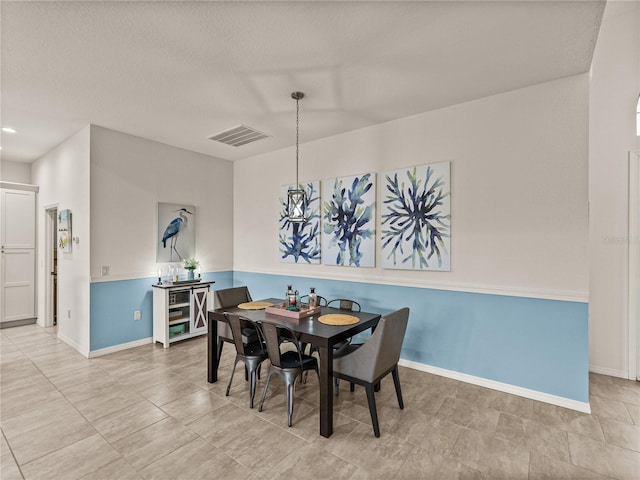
x=191 y=264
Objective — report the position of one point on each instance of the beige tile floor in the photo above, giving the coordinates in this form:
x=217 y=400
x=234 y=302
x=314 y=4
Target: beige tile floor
x=150 y=413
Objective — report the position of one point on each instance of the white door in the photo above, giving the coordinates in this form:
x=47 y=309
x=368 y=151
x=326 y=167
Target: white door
x=17 y=242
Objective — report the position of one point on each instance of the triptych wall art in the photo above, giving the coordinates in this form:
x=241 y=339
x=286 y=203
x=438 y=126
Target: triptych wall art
x=416 y=218
x=300 y=241
x=348 y=221
x=340 y=222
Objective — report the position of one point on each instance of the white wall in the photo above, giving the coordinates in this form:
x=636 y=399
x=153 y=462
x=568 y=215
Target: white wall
x=615 y=86
x=63 y=178
x=519 y=191
x=129 y=176
x=16 y=172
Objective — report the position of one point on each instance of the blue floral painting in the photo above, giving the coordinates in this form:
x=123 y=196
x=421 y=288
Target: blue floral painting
x=348 y=221
x=416 y=218
x=299 y=242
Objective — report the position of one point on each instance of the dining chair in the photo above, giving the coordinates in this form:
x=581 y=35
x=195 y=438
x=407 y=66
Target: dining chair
x=375 y=359
x=288 y=365
x=230 y=297
x=252 y=354
x=344 y=347
x=322 y=301
x=344 y=304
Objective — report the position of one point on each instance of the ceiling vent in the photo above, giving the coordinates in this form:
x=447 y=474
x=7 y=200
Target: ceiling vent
x=238 y=136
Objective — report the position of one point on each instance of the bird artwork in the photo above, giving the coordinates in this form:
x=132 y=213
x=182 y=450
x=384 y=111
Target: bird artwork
x=172 y=232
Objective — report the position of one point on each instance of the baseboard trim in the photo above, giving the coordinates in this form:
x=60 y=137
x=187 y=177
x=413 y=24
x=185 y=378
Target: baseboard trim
x=18 y=323
x=611 y=372
x=118 y=348
x=82 y=351
x=583 y=407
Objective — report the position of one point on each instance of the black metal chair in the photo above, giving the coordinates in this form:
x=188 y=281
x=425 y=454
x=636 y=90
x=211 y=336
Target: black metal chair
x=288 y=365
x=344 y=304
x=252 y=354
x=322 y=302
x=230 y=297
x=345 y=347
x=375 y=359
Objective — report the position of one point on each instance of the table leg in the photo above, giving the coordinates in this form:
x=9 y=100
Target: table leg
x=212 y=351
x=326 y=391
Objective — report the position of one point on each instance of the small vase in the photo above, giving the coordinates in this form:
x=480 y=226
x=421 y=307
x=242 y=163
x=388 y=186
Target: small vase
x=190 y=275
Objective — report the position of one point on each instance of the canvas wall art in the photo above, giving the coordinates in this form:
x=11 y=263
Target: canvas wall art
x=348 y=221
x=176 y=239
x=416 y=218
x=299 y=242
x=64 y=231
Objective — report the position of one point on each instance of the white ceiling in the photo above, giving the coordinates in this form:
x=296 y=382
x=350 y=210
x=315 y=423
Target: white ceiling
x=179 y=72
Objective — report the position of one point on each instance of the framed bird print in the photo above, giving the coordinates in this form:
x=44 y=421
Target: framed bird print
x=64 y=231
x=176 y=232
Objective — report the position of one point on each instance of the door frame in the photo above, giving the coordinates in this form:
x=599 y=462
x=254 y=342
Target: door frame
x=634 y=266
x=50 y=229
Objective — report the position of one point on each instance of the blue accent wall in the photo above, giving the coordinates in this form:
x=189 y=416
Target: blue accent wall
x=537 y=344
x=532 y=343
x=113 y=305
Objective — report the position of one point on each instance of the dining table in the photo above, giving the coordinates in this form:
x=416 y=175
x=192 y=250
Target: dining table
x=308 y=330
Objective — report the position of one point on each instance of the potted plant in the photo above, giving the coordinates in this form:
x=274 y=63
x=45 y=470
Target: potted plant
x=190 y=264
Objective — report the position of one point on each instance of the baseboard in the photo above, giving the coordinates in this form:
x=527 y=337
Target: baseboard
x=83 y=351
x=118 y=348
x=18 y=323
x=583 y=407
x=609 y=371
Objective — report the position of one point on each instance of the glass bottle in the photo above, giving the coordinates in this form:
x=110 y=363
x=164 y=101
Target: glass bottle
x=313 y=298
x=293 y=301
x=287 y=296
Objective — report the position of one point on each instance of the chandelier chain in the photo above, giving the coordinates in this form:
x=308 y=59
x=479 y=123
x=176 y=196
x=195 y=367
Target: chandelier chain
x=297 y=137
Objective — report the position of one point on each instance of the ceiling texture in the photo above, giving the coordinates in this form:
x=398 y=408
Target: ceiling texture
x=180 y=72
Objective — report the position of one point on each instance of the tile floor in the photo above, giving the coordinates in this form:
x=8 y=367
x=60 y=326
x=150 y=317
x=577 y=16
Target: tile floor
x=150 y=413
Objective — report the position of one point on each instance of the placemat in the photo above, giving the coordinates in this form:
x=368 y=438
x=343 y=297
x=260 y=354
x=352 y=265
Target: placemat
x=254 y=305
x=338 y=319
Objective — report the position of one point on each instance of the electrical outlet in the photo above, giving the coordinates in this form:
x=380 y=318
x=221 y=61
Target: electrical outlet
x=136 y=315
x=105 y=270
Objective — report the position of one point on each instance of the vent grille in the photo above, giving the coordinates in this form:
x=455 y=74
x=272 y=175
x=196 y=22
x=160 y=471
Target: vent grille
x=238 y=136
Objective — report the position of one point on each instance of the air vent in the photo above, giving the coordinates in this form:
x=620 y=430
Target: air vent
x=238 y=136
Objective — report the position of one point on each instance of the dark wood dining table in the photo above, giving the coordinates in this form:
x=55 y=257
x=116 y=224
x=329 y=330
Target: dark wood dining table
x=309 y=330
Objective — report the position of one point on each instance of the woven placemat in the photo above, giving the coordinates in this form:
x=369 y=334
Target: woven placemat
x=254 y=305
x=338 y=319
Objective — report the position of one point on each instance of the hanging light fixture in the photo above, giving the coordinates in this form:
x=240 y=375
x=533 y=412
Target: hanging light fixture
x=297 y=199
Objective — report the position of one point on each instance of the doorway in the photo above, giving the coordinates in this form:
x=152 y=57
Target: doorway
x=51 y=267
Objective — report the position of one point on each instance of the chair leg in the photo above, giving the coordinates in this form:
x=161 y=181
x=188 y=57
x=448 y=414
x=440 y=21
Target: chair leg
x=336 y=386
x=396 y=382
x=352 y=387
x=290 y=388
x=252 y=387
x=233 y=370
x=266 y=387
x=220 y=345
x=372 y=409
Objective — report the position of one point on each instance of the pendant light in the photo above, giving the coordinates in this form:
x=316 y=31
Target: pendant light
x=297 y=199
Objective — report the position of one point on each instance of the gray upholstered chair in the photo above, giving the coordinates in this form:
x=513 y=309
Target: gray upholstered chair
x=288 y=365
x=375 y=359
x=252 y=354
x=230 y=297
